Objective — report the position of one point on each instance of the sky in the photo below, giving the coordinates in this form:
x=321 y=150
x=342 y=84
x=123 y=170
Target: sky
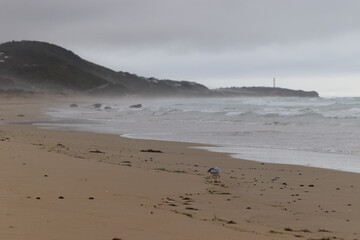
x=304 y=44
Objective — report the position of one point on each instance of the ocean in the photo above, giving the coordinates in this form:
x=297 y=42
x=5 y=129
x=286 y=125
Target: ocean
x=316 y=132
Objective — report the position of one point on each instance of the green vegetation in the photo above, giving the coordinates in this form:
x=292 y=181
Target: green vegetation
x=40 y=66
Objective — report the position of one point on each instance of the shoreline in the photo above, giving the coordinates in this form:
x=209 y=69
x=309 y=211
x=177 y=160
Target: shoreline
x=169 y=190
x=213 y=148
x=243 y=140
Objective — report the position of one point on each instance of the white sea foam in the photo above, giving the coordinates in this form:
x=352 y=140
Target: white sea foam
x=315 y=132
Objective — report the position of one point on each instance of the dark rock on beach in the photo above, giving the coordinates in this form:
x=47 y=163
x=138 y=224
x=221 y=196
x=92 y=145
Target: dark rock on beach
x=97 y=105
x=136 y=106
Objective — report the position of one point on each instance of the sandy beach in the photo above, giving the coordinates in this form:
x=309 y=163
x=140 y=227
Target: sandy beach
x=78 y=185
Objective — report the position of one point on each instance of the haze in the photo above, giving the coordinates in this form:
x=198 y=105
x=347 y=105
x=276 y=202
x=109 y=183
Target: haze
x=309 y=45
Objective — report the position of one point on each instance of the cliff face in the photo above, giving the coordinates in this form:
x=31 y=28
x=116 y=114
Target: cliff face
x=42 y=66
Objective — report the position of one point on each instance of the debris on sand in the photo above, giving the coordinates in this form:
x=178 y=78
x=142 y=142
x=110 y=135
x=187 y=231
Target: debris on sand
x=96 y=151
x=151 y=151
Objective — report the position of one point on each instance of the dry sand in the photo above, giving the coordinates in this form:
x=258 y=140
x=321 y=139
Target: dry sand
x=75 y=185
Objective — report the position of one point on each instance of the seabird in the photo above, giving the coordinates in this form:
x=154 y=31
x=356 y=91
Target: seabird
x=215 y=173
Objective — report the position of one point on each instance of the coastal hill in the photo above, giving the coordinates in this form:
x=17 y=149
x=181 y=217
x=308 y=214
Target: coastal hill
x=43 y=67
x=40 y=66
x=264 y=92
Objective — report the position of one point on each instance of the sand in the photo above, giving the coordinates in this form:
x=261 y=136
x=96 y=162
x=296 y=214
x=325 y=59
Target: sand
x=77 y=185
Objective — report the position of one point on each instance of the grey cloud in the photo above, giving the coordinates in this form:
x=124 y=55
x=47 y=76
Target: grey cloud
x=199 y=39
x=308 y=58
x=199 y=24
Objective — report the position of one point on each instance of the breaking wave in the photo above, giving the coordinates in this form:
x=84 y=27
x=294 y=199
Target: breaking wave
x=320 y=132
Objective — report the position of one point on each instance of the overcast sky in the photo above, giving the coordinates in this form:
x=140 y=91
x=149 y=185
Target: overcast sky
x=304 y=44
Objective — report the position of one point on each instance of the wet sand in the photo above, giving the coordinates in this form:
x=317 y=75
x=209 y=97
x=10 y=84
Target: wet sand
x=76 y=185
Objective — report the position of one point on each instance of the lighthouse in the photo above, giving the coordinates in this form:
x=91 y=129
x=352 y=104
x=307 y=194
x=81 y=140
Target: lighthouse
x=274 y=84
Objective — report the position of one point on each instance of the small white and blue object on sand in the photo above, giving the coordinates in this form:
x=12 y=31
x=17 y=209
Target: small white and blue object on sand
x=215 y=173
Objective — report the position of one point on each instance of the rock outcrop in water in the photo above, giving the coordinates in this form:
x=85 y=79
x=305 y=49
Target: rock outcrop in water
x=43 y=67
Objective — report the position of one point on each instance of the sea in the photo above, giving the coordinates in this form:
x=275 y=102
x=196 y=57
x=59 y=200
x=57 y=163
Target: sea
x=316 y=132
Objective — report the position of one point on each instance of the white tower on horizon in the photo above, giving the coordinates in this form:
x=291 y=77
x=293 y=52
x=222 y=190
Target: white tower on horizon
x=274 y=84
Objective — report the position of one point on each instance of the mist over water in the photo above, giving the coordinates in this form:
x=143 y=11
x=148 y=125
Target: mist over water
x=318 y=132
